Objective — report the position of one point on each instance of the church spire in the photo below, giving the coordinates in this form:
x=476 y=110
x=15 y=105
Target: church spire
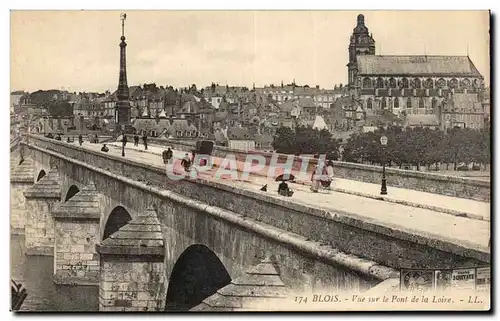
x=122 y=109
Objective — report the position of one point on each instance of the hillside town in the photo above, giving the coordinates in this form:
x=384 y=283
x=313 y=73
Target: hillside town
x=255 y=195
x=436 y=92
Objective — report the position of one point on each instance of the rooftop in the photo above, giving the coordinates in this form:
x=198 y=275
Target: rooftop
x=416 y=65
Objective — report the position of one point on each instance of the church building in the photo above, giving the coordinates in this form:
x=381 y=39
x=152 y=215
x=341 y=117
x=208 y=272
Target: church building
x=406 y=85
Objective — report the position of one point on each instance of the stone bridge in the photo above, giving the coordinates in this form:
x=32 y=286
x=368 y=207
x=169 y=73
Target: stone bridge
x=151 y=243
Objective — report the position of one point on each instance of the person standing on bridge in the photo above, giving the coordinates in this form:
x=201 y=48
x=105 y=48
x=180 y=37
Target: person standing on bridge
x=167 y=155
x=315 y=179
x=124 y=140
x=80 y=139
x=186 y=162
x=145 y=141
x=124 y=143
x=136 y=140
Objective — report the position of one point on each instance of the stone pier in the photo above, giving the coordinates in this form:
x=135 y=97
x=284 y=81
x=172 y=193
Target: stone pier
x=76 y=229
x=259 y=289
x=21 y=179
x=132 y=273
x=40 y=200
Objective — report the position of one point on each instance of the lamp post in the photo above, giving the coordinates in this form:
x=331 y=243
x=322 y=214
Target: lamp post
x=383 y=189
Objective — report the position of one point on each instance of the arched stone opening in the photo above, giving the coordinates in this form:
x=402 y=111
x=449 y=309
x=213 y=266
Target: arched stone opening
x=41 y=174
x=197 y=274
x=118 y=217
x=71 y=192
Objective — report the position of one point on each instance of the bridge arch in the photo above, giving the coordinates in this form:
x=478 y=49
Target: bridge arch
x=118 y=217
x=197 y=274
x=41 y=174
x=72 y=191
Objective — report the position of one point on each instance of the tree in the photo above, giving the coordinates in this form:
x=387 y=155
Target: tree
x=60 y=109
x=435 y=151
x=284 y=140
x=305 y=140
x=484 y=146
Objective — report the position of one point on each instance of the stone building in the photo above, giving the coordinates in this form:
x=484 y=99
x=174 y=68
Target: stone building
x=413 y=84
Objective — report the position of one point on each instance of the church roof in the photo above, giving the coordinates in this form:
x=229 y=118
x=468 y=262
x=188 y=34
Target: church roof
x=416 y=65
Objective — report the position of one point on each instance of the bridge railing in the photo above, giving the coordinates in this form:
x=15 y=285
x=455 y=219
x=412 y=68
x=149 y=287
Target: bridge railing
x=463 y=187
x=14 y=142
x=348 y=231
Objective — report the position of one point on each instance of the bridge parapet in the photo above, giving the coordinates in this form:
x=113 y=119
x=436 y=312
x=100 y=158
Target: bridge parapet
x=387 y=244
x=463 y=187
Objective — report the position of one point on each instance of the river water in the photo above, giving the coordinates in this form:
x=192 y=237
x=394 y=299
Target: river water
x=35 y=273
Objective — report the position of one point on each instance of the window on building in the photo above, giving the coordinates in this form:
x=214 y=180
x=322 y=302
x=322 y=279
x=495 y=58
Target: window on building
x=429 y=83
x=421 y=103
x=392 y=83
x=417 y=83
x=367 y=83
x=405 y=83
x=384 y=103
x=396 y=102
x=434 y=103
x=380 y=83
x=408 y=103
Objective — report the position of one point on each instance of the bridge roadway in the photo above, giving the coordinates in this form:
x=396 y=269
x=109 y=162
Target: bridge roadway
x=417 y=218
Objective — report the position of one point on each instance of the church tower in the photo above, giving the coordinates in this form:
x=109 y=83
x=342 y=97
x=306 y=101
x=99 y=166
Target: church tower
x=122 y=109
x=361 y=43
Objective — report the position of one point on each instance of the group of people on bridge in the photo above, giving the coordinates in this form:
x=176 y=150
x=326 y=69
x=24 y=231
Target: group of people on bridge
x=136 y=140
x=321 y=178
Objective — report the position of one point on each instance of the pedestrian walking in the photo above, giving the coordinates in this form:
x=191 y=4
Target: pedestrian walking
x=315 y=179
x=80 y=139
x=167 y=155
x=136 y=140
x=193 y=155
x=186 y=162
x=124 y=143
x=145 y=141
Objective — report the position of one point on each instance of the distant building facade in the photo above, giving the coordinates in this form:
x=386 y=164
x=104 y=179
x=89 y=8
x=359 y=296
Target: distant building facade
x=413 y=85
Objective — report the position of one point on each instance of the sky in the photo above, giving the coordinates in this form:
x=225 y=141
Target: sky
x=79 y=50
